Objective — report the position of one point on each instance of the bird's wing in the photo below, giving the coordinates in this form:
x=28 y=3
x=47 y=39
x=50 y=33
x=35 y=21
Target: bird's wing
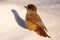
x=37 y=20
x=41 y=24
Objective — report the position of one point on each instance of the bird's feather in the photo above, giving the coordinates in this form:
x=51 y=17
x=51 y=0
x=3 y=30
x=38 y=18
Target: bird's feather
x=36 y=20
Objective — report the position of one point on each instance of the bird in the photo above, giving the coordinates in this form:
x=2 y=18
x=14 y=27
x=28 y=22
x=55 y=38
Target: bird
x=34 y=22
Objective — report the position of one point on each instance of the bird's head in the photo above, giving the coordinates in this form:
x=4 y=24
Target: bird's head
x=31 y=7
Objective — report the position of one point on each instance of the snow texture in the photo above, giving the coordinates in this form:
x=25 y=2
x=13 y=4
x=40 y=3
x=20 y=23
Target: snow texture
x=12 y=17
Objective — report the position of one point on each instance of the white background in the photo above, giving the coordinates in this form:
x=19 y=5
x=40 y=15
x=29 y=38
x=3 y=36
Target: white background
x=49 y=11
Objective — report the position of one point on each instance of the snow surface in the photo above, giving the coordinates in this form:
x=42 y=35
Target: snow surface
x=11 y=29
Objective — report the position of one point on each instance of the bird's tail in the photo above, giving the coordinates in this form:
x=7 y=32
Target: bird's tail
x=41 y=32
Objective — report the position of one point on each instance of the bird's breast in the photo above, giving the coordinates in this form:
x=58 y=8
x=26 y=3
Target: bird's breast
x=31 y=25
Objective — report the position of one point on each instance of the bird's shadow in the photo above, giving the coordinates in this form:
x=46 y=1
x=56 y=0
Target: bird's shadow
x=18 y=19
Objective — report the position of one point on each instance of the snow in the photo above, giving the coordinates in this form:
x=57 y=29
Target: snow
x=10 y=29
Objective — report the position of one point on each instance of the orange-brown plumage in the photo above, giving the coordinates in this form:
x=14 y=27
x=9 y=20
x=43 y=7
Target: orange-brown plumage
x=34 y=22
x=41 y=32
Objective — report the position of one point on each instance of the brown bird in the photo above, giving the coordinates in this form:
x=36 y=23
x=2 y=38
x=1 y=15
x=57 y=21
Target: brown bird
x=34 y=22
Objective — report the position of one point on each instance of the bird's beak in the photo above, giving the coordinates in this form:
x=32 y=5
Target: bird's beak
x=25 y=6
